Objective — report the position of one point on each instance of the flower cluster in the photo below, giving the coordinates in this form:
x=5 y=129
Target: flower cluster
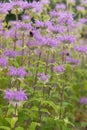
x=43 y=51
x=43 y=77
x=3 y=62
x=15 y=96
x=59 y=69
x=20 y=72
x=10 y=53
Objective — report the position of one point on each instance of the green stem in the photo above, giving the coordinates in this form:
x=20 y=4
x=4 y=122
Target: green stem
x=22 y=49
x=37 y=66
x=47 y=62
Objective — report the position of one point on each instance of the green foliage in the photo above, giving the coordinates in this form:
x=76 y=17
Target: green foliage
x=52 y=104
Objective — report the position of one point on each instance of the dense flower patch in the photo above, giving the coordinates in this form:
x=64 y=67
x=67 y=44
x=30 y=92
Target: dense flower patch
x=43 y=66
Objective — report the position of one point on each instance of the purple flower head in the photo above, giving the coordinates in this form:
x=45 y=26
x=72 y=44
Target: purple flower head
x=80 y=8
x=53 y=13
x=65 y=18
x=3 y=9
x=43 y=77
x=61 y=29
x=3 y=62
x=25 y=17
x=20 y=95
x=20 y=72
x=17 y=4
x=13 y=71
x=12 y=33
x=57 y=29
x=59 y=68
x=24 y=5
x=84 y=2
x=37 y=7
x=15 y=96
x=53 y=42
x=49 y=25
x=6 y=6
x=82 y=49
x=9 y=94
x=83 y=20
x=60 y=7
x=45 y=2
x=29 y=26
x=72 y=61
x=83 y=100
x=67 y=39
x=10 y=53
x=72 y=1
x=18 y=25
x=40 y=24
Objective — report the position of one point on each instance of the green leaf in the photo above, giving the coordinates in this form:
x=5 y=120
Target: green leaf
x=50 y=123
x=1 y=112
x=20 y=48
x=13 y=121
x=4 y=122
x=33 y=125
x=8 y=120
x=34 y=108
x=10 y=111
x=22 y=116
x=45 y=111
x=4 y=128
x=51 y=104
x=19 y=128
x=68 y=122
x=66 y=104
